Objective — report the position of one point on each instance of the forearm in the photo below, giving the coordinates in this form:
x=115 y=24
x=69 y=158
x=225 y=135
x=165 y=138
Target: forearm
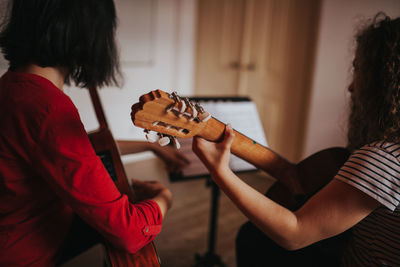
x=334 y=209
x=279 y=223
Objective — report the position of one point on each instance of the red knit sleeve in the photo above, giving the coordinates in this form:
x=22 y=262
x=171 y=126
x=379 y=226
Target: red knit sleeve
x=64 y=157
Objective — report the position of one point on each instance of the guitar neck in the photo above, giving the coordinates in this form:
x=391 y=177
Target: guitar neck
x=248 y=150
x=168 y=114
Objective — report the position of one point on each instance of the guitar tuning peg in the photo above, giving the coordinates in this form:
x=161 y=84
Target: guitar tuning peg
x=170 y=107
x=176 y=143
x=205 y=116
x=199 y=108
x=193 y=111
x=174 y=95
x=152 y=137
x=181 y=107
x=163 y=141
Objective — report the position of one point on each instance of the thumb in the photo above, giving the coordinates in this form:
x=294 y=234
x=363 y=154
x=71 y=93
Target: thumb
x=229 y=136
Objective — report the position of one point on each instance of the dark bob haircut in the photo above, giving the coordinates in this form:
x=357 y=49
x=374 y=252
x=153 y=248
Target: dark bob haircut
x=78 y=35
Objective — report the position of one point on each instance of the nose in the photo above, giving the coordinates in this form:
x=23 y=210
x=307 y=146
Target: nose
x=351 y=87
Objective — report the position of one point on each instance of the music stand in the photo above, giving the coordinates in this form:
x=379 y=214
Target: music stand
x=241 y=112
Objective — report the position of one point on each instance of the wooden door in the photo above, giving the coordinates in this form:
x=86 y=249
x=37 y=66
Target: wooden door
x=263 y=49
x=219 y=37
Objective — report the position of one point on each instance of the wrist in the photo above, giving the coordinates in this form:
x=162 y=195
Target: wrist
x=166 y=196
x=221 y=172
x=153 y=147
x=164 y=201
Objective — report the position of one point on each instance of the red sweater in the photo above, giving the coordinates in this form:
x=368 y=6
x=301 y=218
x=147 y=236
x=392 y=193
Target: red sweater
x=48 y=171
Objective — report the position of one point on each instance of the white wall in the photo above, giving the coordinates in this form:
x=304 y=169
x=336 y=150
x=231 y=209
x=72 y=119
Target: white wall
x=328 y=110
x=163 y=57
x=157 y=52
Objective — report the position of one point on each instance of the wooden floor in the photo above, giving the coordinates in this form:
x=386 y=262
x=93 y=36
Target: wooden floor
x=186 y=225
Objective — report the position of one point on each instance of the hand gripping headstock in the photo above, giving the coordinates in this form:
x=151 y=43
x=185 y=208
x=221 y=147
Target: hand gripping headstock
x=168 y=114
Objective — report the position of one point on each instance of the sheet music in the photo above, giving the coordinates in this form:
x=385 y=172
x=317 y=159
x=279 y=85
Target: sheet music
x=243 y=117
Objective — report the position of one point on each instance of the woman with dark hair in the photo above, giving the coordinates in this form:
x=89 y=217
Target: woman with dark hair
x=364 y=195
x=49 y=172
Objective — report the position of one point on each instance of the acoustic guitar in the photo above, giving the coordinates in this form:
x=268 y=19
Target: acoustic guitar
x=169 y=115
x=106 y=148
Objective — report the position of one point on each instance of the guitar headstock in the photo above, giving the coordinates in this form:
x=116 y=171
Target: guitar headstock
x=168 y=114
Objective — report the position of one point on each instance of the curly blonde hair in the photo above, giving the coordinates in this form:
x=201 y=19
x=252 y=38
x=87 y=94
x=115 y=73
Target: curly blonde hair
x=375 y=114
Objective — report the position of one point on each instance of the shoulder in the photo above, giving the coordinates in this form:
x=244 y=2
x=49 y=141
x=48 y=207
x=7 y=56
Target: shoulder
x=29 y=102
x=375 y=169
x=382 y=157
x=33 y=95
x=389 y=150
x=44 y=93
x=378 y=154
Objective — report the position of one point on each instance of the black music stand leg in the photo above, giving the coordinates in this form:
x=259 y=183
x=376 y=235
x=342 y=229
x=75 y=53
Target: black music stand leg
x=210 y=259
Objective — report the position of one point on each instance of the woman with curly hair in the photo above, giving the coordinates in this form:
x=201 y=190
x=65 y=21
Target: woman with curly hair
x=362 y=200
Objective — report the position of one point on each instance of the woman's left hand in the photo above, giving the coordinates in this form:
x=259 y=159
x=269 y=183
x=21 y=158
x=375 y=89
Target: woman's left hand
x=174 y=160
x=215 y=155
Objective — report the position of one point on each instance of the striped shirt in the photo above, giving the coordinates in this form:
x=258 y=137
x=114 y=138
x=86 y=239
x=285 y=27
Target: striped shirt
x=375 y=170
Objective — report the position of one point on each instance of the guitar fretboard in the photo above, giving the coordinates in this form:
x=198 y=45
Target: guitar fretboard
x=242 y=114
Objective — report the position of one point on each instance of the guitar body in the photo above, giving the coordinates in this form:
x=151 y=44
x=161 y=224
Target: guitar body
x=106 y=148
x=313 y=173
